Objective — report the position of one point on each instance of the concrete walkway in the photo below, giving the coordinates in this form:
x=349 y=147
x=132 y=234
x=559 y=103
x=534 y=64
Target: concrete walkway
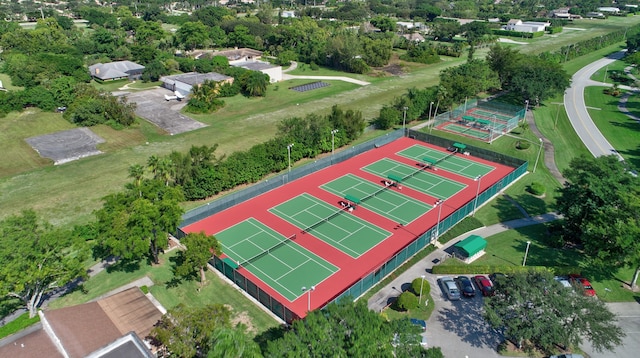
x=326 y=78
x=387 y=294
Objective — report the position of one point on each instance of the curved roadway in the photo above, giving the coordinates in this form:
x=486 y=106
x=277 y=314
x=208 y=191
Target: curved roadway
x=577 y=109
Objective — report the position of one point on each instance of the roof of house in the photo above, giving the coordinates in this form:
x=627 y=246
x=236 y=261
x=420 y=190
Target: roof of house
x=472 y=245
x=514 y=22
x=117 y=69
x=255 y=65
x=34 y=344
x=238 y=53
x=92 y=327
x=414 y=37
x=195 y=78
x=82 y=329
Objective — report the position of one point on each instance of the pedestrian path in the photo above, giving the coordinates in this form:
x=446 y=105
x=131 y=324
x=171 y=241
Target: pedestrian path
x=383 y=297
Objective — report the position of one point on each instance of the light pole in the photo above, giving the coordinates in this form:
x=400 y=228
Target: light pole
x=289 y=153
x=439 y=204
x=404 y=119
x=493 y=129
x=430 y=106
x=526 y=252
x=333 y=137
x=538 y=156
x=304 y=289
x=475 y=203
x=421 y=283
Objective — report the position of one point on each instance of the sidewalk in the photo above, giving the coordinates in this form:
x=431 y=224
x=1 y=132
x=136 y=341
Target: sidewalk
x=383 y=298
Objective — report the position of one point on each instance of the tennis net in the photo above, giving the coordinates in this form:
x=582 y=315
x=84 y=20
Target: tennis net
x=311 y=227
x=375 y=193
x=446 y=157
x=268 y=251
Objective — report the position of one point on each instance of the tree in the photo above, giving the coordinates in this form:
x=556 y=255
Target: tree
x=136 y=223
x=192 y=35
x=388 y=117
x=468 y=79
x=254 y=83
x=407 y=301
x=601 y=205
x=232 y=343
x=187 y=331
x=534 y=310
x=539 y=79
x=346 y=329
x=200 y=248
x=36 y=259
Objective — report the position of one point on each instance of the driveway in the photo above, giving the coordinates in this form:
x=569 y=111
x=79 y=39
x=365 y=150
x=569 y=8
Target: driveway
x=629 y=320
x=577 y=109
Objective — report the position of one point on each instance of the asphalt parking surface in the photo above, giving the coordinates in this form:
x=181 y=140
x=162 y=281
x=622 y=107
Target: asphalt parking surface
x=458 y=328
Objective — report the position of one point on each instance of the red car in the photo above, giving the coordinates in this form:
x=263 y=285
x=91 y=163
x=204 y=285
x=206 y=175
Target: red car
x=484 y=285
x=584 y=283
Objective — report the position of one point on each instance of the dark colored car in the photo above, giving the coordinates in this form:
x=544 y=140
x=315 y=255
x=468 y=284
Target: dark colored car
x=484 y=285
x=420 y=323
x=466 y=287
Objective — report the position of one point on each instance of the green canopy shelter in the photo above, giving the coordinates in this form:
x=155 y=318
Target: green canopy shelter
x=352 y=199
x=395 y=178
x=471 y=246
x=459 y=146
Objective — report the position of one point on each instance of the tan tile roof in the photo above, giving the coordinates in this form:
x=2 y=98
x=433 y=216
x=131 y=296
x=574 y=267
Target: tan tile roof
x=131 y=310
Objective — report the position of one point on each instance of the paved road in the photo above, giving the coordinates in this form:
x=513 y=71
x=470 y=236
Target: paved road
x=577 y=110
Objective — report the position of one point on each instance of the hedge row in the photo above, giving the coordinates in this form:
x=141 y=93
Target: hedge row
x=506 y=269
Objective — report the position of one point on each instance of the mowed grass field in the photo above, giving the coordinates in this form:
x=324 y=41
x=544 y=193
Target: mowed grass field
x=68 y=194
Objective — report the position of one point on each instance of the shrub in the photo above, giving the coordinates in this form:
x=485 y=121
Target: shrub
x=522 y=145
x=314 y=66
x=415 y=286
x=536 y=188
x=406 y=301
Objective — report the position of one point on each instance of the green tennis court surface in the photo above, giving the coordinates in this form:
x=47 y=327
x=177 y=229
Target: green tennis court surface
x=468 y=131
x=491 y=114
x=276 y=260
x=400 y=208
x=331 y=224
x=454 y=164
x=417 y=178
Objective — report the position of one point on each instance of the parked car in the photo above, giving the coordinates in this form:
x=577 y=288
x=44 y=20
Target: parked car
x=568 y=356
x=564 y=281
x=423 y=342
x=420 y=323
x=484 y=285
x=585 y=285
x=450 y=289
x=466 y=287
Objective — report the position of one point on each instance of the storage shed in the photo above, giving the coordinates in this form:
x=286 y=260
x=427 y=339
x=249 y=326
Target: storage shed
x=470 y=248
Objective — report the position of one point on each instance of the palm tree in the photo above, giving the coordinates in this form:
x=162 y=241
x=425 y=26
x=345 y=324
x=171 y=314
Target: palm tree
x=136 y=172
x=254 y=83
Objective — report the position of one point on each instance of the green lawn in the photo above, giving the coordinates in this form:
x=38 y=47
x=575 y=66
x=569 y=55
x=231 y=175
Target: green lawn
x=6 y=83
x=170 y=293
x=621 y=131
x=23 y=321
x=508 y=247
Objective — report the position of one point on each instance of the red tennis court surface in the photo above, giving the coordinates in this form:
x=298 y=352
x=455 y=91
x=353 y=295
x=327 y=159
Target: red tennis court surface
x=351 y=269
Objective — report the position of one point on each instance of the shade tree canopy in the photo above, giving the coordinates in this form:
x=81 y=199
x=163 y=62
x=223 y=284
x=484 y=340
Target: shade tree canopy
x=36 y=259
x=536 y=312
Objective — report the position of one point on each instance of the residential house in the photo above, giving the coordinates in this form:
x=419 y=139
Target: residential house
x=115 y=326
x=529 y=26
x=183 y=83
x=116 y=71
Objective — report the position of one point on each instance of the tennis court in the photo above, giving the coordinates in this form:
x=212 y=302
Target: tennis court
x=454 y=164
x=488 y=114
x=465 y=130
x=331 y=224
x=378 y=198
x=276 y=260
x=416 y=178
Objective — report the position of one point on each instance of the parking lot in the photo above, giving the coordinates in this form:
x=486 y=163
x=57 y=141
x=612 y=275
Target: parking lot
x=152 y=106
x=458 y=326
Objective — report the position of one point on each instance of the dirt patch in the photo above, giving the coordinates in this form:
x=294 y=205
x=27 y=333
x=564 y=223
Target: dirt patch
x=394 y=69
x=243 y=318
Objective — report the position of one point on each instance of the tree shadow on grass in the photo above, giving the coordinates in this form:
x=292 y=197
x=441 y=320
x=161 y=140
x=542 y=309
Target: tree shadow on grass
x=124 y=266
x=466 y=320
x=506 y=210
